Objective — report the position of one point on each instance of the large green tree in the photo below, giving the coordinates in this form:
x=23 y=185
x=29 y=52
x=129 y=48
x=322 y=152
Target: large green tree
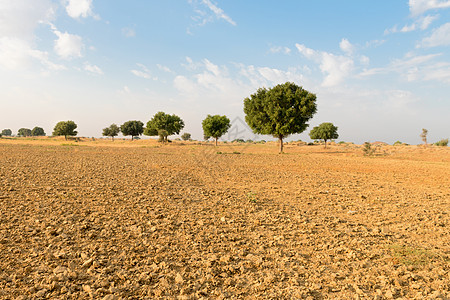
x=112 y=131
x=37 y=131
x=133 y=128
x=280 y=111
x=6 y=132
x=65 y=128
x=24 y=132
x=164 y=125
x=215 y=126
x=186 y=136
x=325 y=131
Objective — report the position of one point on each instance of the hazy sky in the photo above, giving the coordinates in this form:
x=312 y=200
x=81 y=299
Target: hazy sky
x=380 y=69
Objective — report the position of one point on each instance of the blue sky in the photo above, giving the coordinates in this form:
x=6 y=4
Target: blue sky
x=380 y=69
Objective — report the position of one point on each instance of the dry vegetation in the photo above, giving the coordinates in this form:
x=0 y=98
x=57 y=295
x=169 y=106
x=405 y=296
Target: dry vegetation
x=138 y=220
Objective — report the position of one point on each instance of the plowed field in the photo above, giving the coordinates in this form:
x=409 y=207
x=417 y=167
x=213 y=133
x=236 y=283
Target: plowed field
x=142 y=221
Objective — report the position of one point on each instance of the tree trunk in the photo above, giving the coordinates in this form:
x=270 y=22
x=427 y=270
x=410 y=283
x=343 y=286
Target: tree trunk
x=281 y=143
x=131 y=138
x=216 y=142
x=325 y=144
x=113 y=138
x=65 y=137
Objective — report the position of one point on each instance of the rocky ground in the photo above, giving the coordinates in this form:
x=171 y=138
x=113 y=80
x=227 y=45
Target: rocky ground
x=186 y=222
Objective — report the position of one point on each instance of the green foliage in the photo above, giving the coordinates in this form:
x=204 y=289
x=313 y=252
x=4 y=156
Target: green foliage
x=163 y=134
x=186 y=136
x=37 y=131
x=325 y=131
x=215 y=126
x=238 y=141
x=24 y=132
x=397 y=143
x=133 y=128
x=442 y=143
x=280 y=111
x=251 y=197
x=112 y=131
x=6 y=132
x=368 y=150
x=66 y=128
x=172 y=124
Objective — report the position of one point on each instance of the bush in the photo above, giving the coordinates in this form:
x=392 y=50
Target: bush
x=442 y=143
x=368 y=150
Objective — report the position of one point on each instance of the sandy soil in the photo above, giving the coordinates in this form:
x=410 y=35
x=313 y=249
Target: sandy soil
x=105 y=220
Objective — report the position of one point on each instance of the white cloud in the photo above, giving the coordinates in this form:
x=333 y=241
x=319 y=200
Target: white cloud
x=68 y=46
x=93 y=69
x=439 y=37
x=206 y=11
x=80 y=8
x=128 y=32
x=164 y=68
x=335 y=67
x=418 y=7
x=220 y=14
x=346 y=46
x=16 y=54
x=144 y=72
x=279 y=49
x=416 y=68
x=422 y=23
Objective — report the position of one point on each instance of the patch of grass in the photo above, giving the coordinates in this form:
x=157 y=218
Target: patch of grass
x=70 y=145
x=442 y=143
x=411 y=256
x=251 y=197
x=236 y=152
x=219 y=152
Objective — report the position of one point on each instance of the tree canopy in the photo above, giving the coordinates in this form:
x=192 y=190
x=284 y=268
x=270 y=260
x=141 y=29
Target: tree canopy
x=24 y=132
x=325 y=131
x=6 y=132
x=215 y=126
x=112 y=131
x=37 y=131
x=133 y=128
x=164 y=125
x=280 y=111
x=186 y=136
x=66 y=128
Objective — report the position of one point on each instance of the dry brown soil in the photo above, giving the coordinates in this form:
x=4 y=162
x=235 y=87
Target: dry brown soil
x=105 y=220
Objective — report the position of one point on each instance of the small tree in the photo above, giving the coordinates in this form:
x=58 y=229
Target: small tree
x=368 y=150
x=37 y=131
x=423 y=135
x=215 y=126
x=442 y=143
x=65 y=128
x=133 y=128
x=24 y=132
x=280 y=111
x=186 y=136
x=6 y=132
x=164 y=125
x=325 y=131
x=112 y=131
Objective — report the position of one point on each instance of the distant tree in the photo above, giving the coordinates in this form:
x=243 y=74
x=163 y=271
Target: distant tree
x=37 y=131
x=186 y=136
x=24 y=132
x=423 y=135
x=164 y=125
x=65 y=128
x=133 y=128
x=325 y=131
x=112 y=131
x=280 y=111
x=6 y=132
x=215 y=126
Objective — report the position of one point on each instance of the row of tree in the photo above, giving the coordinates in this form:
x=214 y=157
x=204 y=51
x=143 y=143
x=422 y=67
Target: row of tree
x=36 y=131
x=279 y=111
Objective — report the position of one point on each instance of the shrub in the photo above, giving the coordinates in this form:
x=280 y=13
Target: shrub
x=442 y=143
x=368 y=150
